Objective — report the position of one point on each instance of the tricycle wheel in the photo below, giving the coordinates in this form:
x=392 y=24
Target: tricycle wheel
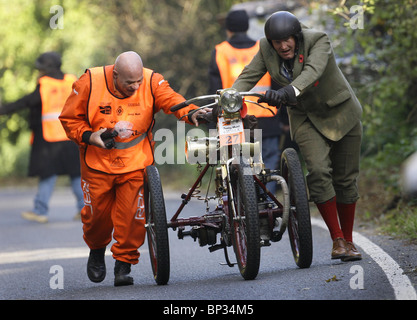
x=245 y=221
x=299 y=223
x=157 y=231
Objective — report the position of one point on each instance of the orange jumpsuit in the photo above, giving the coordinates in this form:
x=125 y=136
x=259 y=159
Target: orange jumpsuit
x=112 y=180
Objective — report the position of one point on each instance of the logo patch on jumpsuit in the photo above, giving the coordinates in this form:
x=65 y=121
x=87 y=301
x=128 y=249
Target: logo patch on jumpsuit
x=118 y=162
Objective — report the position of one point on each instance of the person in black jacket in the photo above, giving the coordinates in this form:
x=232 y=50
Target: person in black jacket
x=47 y=159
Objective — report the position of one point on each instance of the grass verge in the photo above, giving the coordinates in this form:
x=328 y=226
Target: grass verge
x=384 y=208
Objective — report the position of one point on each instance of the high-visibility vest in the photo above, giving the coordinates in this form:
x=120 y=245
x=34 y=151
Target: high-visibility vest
x=231 y=61
x=133 y=149
x=54 y=93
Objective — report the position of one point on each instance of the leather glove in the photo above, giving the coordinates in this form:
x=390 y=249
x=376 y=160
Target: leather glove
x=205 y=118
x=278 y=98
x=108 y=138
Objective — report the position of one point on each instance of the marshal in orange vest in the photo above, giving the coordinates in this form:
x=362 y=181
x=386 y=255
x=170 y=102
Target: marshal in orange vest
x=231 y=61
x=54 y=93
x=133 y=150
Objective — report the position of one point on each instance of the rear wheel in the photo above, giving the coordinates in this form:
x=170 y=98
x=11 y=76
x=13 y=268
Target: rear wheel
x=244 y=219
x=156 y=225
x=299 y=222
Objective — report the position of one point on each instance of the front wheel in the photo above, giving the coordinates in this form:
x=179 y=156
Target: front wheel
x=299 y=223
x=244 y=219
x=156 y=225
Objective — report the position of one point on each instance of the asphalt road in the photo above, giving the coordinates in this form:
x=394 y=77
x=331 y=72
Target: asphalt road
x=48 y=262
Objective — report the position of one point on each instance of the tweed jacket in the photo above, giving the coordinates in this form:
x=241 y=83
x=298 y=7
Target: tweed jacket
x=325 y=98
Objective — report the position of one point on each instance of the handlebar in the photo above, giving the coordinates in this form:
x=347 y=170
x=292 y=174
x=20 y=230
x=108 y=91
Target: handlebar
x=193 y=101
x=179 y=106
x=253 y=94
x=216 y=97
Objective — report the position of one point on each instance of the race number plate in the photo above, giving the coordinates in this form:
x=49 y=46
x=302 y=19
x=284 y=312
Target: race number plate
x=230 y=131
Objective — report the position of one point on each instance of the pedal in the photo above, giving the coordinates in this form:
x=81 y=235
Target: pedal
x=265 y=243
x=216 y=247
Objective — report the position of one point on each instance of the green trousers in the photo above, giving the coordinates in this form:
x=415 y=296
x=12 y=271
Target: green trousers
x=333 y=166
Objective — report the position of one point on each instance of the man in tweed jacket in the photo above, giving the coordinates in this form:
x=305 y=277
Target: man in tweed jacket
x=325 y=118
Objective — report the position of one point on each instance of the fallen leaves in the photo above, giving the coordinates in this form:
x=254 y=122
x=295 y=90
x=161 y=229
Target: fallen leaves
x=334 y=278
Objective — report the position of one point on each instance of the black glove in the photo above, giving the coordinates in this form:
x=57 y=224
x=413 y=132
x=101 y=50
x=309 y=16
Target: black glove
x=108 y=138
x=278 y=98
x=205 y=117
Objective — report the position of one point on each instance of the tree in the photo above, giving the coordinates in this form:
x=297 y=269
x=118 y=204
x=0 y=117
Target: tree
x=386 y=45
x=27 y=30
x=174 y=37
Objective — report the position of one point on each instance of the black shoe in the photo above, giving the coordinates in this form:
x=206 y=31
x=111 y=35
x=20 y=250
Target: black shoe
x=121 y=274
x=96 y=267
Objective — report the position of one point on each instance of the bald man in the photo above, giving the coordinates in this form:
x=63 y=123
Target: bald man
x=110 y=115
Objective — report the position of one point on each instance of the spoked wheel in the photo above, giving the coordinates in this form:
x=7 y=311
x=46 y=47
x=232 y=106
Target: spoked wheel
x=299 y=224
x=156 y=225
x=245 y=221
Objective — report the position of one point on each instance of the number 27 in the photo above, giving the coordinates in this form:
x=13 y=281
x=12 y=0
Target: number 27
x=232 y=139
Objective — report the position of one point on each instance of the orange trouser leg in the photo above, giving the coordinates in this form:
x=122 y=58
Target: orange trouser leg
x=114 y=203
x=128 y=217
x=96 y=214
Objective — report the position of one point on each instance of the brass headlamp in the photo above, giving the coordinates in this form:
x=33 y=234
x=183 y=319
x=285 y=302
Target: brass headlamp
x=230 y=100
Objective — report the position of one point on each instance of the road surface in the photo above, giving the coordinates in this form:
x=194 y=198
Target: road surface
x=48 y=262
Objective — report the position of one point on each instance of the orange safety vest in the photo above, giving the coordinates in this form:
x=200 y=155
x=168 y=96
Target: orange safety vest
x=133 y=151
x=54 y=93
x=231 y=62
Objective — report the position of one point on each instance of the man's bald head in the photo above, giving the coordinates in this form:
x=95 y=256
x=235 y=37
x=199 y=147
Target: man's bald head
x=128 y=62
x=128 y=73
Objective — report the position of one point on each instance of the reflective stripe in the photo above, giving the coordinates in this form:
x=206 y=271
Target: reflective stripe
x=50 y=116
x=132 y=143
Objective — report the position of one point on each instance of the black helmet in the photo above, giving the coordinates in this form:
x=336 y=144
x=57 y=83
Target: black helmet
x=281 y=25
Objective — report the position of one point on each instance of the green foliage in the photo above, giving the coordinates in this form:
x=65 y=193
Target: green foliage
x=14 y=158
x=386 y=48
x=174 y=37
x=401 y=221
